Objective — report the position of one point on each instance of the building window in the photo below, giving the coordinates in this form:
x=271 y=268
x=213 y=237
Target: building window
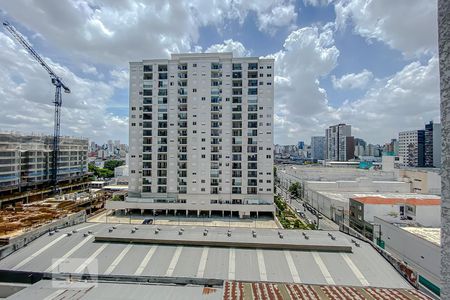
x=133 y=171
x=194 y=90
x=133 y=124
x=194 y=65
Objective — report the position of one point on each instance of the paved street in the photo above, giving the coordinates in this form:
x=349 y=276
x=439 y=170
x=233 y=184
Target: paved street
x=324 y=223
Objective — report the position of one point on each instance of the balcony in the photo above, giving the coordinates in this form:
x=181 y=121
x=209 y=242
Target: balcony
x=148 y=76
x=162 y=68
x=253 y=66
x=147 y=100
x=147 y=108
x=216 y=132
x=253 y=82
x=216 y=66
x=252 y=91
x=237 y=67
x=148 y=68
x=236 y=190
x=182 y=67
x=252 y=166
x=252 y=74
x=252 y=190
x=252 y=157
x=237 y=92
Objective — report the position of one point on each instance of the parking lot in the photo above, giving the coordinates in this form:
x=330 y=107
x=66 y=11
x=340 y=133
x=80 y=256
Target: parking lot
x=261 y=222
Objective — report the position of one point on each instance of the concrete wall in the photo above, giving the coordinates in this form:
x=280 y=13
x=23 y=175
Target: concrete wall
x=420 y=254
x=314 y=173
x=422 y=181
x=329 y=206
x=25 y=238
x=359 y=185
x=428 y=215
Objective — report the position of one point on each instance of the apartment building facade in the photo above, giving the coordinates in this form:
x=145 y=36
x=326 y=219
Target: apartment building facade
x=26 y=160
x=201 y=135
x=411 y=147
x=317 y=147
x=433 y=148
x=339 y=143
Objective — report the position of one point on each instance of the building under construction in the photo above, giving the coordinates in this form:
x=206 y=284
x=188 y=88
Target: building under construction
x=26 y=164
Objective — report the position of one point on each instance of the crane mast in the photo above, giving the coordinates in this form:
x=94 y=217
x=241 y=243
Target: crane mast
x=58 y=83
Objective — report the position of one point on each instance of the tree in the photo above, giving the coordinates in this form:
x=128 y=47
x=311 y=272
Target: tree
x=295 y=189
x=112 y=164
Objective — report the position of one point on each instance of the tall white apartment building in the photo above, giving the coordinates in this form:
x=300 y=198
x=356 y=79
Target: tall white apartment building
x=201 y=135
x=339 y=143
x=411 y=147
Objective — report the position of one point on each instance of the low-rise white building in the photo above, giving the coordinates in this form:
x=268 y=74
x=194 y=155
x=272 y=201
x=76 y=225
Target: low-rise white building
x=396 y=208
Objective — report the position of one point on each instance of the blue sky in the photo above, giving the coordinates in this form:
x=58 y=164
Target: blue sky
x=371 y=64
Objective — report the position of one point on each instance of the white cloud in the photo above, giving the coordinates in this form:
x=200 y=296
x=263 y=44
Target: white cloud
x=406 y=25
x=27 y=95
x=404 y=101
x=120 y=78
x=116 y=32
x=308 y=55
x=352 y=80
x=236 y=47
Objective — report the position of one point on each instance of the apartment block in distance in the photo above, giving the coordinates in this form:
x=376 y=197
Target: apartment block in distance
x=26 y=161
x=411 y=147
x=433 y=148
x=317 y=147
x=339 y=143
x=201 y=136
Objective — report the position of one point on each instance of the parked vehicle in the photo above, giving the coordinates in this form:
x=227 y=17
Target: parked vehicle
x=147 y=222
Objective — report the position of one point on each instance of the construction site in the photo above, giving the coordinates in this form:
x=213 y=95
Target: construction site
x=20 y=218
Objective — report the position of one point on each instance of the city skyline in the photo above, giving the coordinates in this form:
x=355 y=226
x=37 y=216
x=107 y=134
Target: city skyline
x=366 y=72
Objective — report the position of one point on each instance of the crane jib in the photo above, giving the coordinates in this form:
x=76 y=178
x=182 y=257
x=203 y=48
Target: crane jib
x=56 y=81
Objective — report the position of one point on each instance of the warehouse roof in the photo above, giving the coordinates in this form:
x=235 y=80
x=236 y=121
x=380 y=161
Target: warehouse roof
x=67 y=252
x=46 y=289
x=432 y=235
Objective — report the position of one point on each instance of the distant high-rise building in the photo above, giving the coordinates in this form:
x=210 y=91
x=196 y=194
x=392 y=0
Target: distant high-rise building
x=412 y=147
x=339 y=143
x=205 y=138
x=360 y=147
x=433 y=146
x=318 y=147
x=301 y=145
